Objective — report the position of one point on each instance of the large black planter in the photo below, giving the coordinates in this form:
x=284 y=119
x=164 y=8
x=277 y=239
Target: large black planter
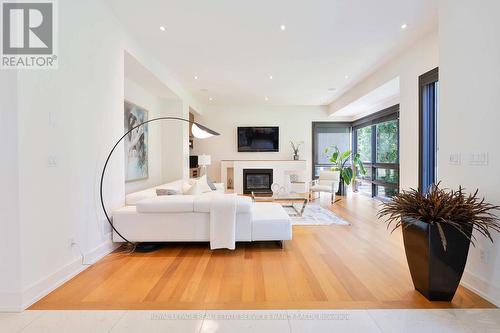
x=435 y=272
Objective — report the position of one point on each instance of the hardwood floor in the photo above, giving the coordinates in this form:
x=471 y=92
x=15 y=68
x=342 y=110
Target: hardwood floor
x=337 y=267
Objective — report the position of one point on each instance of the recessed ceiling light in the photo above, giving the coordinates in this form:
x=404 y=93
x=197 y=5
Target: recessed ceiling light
x=270 y=77
x=162 y=28
x=210 y=99
x=404 y=26
x=346 y=77
x=282 y=27
x=203 y=89
x=196 y=77
x=266 y=98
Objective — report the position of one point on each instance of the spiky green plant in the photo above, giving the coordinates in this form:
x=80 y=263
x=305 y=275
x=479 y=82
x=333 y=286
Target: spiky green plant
x=340 y=163
x=441 y=206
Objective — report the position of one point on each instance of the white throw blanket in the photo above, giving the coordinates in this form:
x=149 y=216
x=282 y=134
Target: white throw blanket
x=223 y=222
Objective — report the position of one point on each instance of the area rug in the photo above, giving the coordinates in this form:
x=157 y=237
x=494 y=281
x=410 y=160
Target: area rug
x=314 y=214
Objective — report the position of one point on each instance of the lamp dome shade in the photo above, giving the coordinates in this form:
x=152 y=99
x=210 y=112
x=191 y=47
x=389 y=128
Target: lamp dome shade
x=202 y=132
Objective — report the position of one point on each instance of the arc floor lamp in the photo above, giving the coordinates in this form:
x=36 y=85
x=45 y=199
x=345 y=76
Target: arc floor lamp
x=198 y=130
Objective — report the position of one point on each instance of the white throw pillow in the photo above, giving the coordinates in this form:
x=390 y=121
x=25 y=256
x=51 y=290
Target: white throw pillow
x=199 y=186
x=203 y=182
x=194 y=190
x=185 y=187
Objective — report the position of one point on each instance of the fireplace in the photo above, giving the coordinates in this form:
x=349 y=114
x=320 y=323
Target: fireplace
x=257 y=180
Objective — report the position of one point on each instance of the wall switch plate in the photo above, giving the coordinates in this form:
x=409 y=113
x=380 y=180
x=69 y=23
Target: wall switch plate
x=478 y=158
x=52 y=161
x=455 y=159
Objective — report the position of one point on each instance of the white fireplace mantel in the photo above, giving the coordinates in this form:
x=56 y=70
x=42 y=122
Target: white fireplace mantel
x=232 y=171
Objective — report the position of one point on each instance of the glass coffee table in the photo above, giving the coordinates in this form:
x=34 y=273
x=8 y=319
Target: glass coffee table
x=286 y=200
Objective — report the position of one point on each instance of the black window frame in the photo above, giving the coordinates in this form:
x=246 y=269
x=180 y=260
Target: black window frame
x=340 y=124
x=427 y=130
x=388 y=114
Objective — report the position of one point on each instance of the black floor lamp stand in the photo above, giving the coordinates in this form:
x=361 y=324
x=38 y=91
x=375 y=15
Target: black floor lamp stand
x=198 y=130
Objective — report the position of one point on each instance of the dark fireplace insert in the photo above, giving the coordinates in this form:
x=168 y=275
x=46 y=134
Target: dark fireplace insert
x=257 y=180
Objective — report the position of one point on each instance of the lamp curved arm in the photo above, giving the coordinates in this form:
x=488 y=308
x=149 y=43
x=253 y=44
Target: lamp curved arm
x=208 y=132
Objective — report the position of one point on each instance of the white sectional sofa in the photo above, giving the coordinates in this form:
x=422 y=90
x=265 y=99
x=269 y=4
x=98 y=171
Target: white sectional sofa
x=175 y=218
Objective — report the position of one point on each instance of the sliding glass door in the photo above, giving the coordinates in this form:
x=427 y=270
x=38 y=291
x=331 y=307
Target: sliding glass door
x=376 y=139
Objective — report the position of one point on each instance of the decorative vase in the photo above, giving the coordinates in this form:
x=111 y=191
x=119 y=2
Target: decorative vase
x=275 y=188
x=295 y=157
x=436 y=273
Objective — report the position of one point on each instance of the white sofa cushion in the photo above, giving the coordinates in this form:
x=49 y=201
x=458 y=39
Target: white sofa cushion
x=202 y=203
x=270 y=222
x=133 y=198
x=167 y=204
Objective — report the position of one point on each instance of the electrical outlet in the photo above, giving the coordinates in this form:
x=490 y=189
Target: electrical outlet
x=483 y=256
x=455 y=159
x=52 y=161
x=478 y=159
x=106 y=228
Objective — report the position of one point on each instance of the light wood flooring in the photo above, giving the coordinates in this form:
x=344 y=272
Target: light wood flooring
x=336 y=267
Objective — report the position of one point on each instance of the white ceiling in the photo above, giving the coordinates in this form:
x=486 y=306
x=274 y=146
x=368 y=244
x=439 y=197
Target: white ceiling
x=233 y=46
x=379 y=98
x=136 y=72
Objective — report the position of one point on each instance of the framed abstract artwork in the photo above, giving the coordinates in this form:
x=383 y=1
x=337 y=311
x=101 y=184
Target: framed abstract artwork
x=136 y=143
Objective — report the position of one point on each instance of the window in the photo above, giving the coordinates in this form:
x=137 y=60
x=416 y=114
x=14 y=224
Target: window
x=364 y=138
x=327 y=134
x=376 y=139
x=387 y=142
x=428 y=112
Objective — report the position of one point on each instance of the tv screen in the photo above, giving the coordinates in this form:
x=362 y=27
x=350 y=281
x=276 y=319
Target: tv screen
x=258 y=139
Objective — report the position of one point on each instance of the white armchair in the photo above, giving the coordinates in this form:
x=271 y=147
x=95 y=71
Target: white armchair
x=328 y=181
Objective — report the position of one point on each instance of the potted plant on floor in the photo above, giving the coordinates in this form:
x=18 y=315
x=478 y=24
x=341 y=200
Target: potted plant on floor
x=437 y=231
x=340 y=162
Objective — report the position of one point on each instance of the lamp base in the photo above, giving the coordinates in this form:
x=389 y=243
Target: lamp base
x=148 y=247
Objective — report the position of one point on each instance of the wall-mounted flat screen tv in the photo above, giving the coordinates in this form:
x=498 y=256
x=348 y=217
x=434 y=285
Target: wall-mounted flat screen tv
x=258 y=139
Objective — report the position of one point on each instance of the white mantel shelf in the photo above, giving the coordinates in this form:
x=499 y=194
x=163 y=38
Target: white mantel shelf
x=233 y=169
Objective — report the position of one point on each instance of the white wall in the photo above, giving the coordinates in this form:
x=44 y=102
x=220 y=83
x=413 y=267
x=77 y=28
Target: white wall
x=136 y=94
x=295 y=123
x=73 y=115
x=469 y=74
x=10 y=246
x=421 y=57
x=175 y=142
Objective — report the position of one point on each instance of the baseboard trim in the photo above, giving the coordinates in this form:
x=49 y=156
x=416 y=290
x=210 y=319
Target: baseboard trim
x=486 y=290
x=10 y=302
x=42 y=288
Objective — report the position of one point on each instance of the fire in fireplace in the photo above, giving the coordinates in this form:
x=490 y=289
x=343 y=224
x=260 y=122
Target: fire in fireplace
x=257 y=180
